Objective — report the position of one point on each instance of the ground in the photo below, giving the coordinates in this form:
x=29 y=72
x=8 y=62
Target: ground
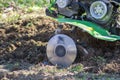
x=23 y=41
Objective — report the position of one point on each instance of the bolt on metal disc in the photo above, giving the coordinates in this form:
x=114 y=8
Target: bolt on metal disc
x=61 y=50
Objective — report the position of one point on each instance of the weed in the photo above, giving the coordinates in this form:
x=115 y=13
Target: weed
x=77 y=68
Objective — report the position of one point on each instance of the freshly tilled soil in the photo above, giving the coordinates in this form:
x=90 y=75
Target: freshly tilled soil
x=26 y=41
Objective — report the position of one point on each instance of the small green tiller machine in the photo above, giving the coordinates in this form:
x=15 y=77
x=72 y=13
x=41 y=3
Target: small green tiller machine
x=99 y=18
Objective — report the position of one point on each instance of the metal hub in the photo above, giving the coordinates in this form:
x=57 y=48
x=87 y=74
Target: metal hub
x=61 y=50
x=98 y=9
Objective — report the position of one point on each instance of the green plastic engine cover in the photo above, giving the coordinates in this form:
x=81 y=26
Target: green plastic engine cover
x=92 y=28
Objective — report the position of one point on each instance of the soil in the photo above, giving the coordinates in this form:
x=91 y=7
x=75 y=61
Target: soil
x=23 y=51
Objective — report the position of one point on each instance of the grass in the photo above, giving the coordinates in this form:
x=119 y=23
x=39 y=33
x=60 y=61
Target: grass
x=28 y=5
x=23 y=3
x=13 y=10
x=14 y=16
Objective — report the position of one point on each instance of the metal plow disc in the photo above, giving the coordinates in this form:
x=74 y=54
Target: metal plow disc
x=61 y=50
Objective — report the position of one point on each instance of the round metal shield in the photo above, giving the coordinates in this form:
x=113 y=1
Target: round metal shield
x=61 y=50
